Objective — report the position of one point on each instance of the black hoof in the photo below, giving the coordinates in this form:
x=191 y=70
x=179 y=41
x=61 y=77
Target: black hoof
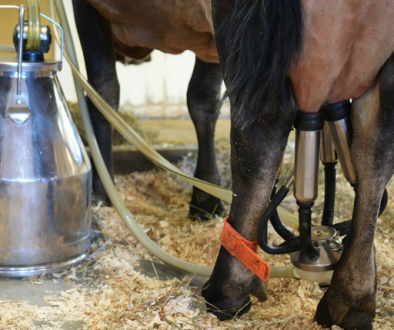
x=322 y=316
x=224 y=308
x=100 y=196
x=101 y=201
x=207 y=209
x=354 y=319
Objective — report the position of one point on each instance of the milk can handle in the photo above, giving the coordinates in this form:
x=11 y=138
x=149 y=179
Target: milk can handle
x=62 y=36
x=20 y=46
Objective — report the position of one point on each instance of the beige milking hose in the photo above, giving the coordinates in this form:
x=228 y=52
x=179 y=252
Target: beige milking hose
x=131 y=136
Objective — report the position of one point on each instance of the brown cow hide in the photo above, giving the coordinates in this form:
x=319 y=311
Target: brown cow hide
x=171 y=26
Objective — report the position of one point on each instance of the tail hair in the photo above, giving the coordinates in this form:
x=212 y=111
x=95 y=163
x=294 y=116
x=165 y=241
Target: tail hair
x=262 y=38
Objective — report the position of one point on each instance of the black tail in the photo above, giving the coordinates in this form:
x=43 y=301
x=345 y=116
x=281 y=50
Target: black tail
x=262 y=37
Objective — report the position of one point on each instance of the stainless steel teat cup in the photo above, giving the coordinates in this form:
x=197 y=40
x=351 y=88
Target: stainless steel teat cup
x=337 y=116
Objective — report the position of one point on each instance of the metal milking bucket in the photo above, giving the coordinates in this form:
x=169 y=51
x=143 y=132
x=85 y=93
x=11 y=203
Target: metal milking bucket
x=45 y=173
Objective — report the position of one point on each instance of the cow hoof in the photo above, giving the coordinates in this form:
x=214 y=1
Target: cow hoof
x=224 y=308
x=99 y=194
x=348 y=318
x=207 y=209
x=98 y=200
x=100 y=197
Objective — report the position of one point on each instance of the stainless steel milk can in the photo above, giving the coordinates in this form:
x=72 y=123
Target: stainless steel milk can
x=45 y=173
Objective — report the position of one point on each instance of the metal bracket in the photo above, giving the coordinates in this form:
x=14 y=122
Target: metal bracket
x=19 y=112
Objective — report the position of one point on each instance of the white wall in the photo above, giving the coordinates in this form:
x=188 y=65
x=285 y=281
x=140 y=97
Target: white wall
x=154 y=89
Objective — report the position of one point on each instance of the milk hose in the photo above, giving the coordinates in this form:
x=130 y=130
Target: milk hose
x=292 y=244
x=276 y=223
x=330 y=171
x=126 y=216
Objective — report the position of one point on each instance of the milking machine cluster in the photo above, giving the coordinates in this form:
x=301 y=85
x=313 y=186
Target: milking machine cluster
x=317 y=250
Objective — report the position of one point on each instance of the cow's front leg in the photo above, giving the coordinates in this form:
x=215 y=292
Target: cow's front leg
x=203 y=101
x=350 y=300
x=98 y=49
x=256 y=154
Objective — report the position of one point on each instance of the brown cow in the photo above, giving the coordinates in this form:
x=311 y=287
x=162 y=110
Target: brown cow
x=278 y=57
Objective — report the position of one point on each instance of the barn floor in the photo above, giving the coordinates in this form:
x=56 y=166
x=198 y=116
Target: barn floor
x=33 y=293
x=124 y=287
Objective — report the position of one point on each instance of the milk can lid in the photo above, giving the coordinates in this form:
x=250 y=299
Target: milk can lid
x=10 y=64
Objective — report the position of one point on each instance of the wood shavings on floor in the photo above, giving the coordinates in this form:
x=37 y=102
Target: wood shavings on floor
x=108 y=292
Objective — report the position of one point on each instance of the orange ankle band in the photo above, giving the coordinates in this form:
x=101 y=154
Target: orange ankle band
x=245 y=251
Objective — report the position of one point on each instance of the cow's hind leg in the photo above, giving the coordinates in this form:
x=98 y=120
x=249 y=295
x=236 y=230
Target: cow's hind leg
x=203 y=101
x=350 y=300
x=256 y=154
x=263 y=110
x=98 y=49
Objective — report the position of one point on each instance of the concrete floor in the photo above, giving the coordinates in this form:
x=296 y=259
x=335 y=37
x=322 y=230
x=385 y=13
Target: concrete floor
x=23 y=290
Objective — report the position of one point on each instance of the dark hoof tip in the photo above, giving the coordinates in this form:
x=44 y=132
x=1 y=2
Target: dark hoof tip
x=100 y=200
x=200 y=216
x=206 y=210
x=224 y=308
x=354 y=320
x=322 y=316
x=222 y=315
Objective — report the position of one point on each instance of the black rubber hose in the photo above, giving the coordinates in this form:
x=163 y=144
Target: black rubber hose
x=305 y=218
x=330 y=171
x=273 y=193
x=383 y=203
x=276 y=223
x=262 y=227
x=280 y=227
x=343 y=228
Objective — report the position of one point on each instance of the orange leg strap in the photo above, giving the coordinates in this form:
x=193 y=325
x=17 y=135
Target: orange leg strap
x=245 y=251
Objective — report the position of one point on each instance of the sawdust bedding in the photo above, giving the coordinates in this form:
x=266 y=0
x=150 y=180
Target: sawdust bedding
x=108 y=293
